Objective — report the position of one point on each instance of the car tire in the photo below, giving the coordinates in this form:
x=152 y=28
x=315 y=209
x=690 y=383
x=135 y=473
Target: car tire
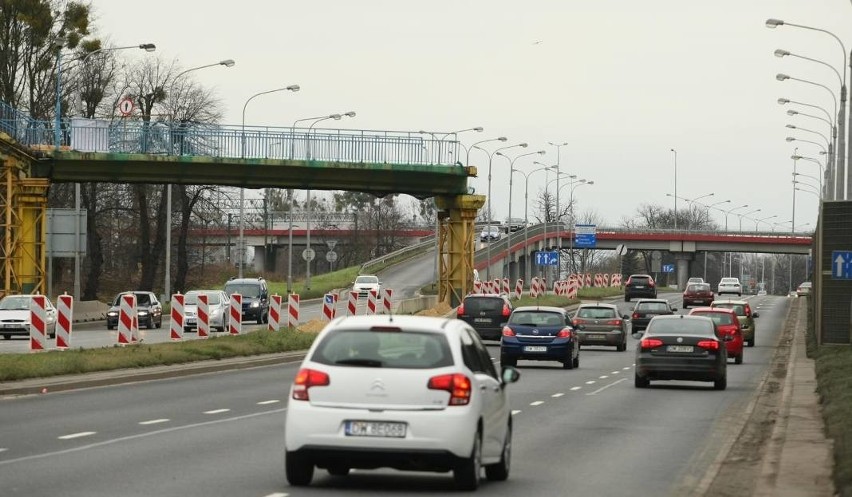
x=739 y=359
x=160 y=323
x=622 y=347
x=338 y=470
x=750 y=343
x=300 y=471
x=508 y=361
x=576 y=361
x=568 y=364
x=500 y=470
x=626 y=298
x=640 y=382
x=721 y=383
x=466 y=473
x=110 y=327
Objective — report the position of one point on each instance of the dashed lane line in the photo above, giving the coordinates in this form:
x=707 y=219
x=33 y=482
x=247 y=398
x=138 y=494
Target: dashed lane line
x=154 y=421
x=557 y=395
x=515 y=412
x=277 y=494
x=266 y=403
x=590 y=382
x=574 y=389
x=216 y=411
x=537 y=403
x=77 y=435
x=603 y=377
x=601 y=389
x=615 y=372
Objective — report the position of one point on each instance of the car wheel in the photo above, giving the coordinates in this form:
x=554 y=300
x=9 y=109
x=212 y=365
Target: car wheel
x=721 y=383
x=576 y=361
x=110 y=327
x=750 y=343
x=640 y=382
x=466 y=473
x=500 y=471
x=338 y=470
x=626 y=298
x=300 y=471
x=150 y=323
x=739 y=359
x=568 y=364
x=160 y=323
x=508 y=361
x=622 y=347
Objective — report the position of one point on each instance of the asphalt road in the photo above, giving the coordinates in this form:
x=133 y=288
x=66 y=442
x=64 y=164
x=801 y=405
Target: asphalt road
x=585 y=432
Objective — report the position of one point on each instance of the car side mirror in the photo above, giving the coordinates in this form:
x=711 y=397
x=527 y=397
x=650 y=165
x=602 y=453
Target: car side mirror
x=625 y=317
x=755 y=315
x=510 y=375
x=674 y=309
x=637 y=335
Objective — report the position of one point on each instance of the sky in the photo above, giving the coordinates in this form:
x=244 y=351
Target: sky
x=622 y=82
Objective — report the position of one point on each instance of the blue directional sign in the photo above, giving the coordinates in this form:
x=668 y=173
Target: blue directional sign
x=585 y=235
x=841 y=265
x=547 y=258
x=668 y=268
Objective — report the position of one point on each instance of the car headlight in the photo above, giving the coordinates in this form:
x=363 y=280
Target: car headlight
x=143 y=313
x=255 y=304
x=112 y=313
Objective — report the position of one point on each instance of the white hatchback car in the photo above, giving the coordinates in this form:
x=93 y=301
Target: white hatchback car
x=406 y=392
x=217 y=306
x=729 y=285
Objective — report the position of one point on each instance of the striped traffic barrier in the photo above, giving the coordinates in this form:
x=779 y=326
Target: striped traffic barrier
x=372 y=300
x=176 y=327
x=573 y=289
x=126 y=317
x=495 y=285
x=534 y=287
x=588 y=281
x=235 y=314
x=542 y=286
x=477 y=286
x=387 y=298
x=203 y=315
x=38 y=323
x=329 y=306
x=352 y=308
x=64 y=318
x=293 y=310
x=605 y=277
x=273 y=322
x=598 y=280
x=506 y=288
x=519 y=289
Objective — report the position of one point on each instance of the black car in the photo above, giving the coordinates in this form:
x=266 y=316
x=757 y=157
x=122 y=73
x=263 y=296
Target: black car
x=640 y=285
x=487 y=313
x=681 y=348
x=647 y=309
x=149 y=311
x=255 y=295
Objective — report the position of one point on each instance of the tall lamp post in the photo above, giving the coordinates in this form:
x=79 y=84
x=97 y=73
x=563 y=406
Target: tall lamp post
x=573 y=186
x=763 y=220
x=741 y=216
x=558 y=213
x=509 y=220
x=527 y=266
x=815 y=161
x=675 y=188
x=444 y=135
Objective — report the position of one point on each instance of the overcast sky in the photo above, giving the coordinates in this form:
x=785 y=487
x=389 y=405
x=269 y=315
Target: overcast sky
x=621 y=81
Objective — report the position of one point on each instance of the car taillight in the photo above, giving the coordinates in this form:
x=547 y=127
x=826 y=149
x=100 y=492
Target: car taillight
x=650 y=343
x=709 y=344
x=748 y=310
x=458 y=385
x=508 y=332
x=635 y=315
x=506 y=311
x=614 y=322
x=564 y=333
x=460 y=310
x=307 y=378
x=652 y=284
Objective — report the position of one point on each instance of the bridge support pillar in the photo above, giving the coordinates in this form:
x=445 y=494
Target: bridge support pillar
x=683 y=259
x=456 y=244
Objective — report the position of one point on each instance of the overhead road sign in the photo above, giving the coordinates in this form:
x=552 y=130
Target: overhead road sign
x=550 y=258
x=585 y=235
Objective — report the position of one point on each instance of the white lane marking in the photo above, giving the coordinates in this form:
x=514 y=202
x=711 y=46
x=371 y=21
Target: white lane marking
x=557 y=395
x=277 y=494
x=138 y=436
x=615 y=372
x=590 y=382
x=537 y=403
x=603 y=377
x=601 y=389
x=625 y=368
x=515 y=412
x=216 y=411
x=574 y=389
x=266 y=403
x=3 y=450
x=77 y=435
x=154 y=421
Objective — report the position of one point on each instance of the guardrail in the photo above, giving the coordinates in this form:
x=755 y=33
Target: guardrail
x=397 y=256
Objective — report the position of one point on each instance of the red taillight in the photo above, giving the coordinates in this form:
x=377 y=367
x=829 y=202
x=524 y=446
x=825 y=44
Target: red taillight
x=748 y=310
x=564 y=333
x=650 y=343
x=577 y=321
x=709 y=344
x=457 y=384
x=460 y=310
x=506 y=311
x=305 y=379
x=508 y=332
x=652 y=284
x=614 y=322
x=629 y=281
x=635 y=315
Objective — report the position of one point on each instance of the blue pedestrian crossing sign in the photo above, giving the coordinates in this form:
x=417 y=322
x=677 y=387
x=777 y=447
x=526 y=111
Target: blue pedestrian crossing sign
x=547 y=258
x=841 y=265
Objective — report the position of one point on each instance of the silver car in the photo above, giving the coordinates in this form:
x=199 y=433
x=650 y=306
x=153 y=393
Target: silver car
x=600 y=324
x=217 y=302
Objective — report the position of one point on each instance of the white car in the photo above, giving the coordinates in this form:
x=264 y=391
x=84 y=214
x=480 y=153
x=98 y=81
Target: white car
x=217 y=303
x=729 y=285
x=364 y=283
x=490 y=233
x=406 y=392
x=15 y=316
x=695 y=279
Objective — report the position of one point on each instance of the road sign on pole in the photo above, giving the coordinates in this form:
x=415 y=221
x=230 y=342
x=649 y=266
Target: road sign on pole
x=621 y=249
x=550 y=258
x=841 y=265
x=585 y=235
x=309 y=254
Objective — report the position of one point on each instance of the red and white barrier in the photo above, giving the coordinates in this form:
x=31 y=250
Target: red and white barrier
x=519 y=289
x=126 y=319
x=588 y=281
x=352 y=308
x=235 y=314
x=176 y=327
x=38 y=323
x=273 y=321
x=495 y=285
x=506 y=288
x=329 y=306
x=293 y=311
x=615 y=280
x=605 y=279
x=534 y=287
x=203 y=316
x=64 y=320
x=387 y=298
x=477 y=286
x=372 y=300
x=598 y=280
x=573 y=289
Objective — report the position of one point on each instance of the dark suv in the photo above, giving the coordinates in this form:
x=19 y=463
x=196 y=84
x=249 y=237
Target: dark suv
x=640 y=285
x=487 y=313
x=255 y=295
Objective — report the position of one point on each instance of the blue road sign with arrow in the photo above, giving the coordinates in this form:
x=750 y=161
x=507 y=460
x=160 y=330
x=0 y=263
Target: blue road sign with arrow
x=841 y=265
x=547 y=258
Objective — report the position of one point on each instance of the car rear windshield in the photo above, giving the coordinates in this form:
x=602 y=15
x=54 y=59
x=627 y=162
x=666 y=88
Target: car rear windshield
x=652 y=306
x=681 y=327
x=536 y=318
x=698 y=288
x=739 y=309
x=403 y=350
x=730 y=281
x=244 y=289
x=717 y=317
x=596 y=313
x=479 y=305
x=639 y=280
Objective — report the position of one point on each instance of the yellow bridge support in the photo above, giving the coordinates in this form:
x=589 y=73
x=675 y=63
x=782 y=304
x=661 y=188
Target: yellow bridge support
x=456 y=239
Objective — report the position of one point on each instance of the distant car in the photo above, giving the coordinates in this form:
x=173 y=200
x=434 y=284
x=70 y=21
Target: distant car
x=727 y=328
x=694 y=279
x=149 y=311
x=745 y=315
x=515 y=224
x=697 y=294
x=539 y=333
x=217 y=303
x=681 y=348
x=15 y=316
x=729 y=285
x=761 y=293
x=490 y=234
x=600 y=324
x=640 y=285
x=647 y=309
x=364 y=283
x=486 y=313
x=407 y=392
x=255 y=295
x=804 y=289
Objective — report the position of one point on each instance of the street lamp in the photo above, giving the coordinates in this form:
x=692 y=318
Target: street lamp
x=509 y=226
x=478 y=129
x=292 y=88
x=558 y=212
x=815 y=161
x=526 y=214
x=675 y=188
x=823 y=151
x=741 y=216
x=763 y=220
x=731 y=211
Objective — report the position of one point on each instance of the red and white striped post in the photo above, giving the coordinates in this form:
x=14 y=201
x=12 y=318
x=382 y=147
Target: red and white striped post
x=477 y=286
x=235 y=310
x=352 y=308
x=506 y=288
x=38 y=323
x=126 y=318
x=372 y=299
x=176 y=326
x=274 y=321
x=495 y=285
x=519 y=289
x=203 y=313
x=329 y=302
x=64 y=320
x=534 y=287
x=387 y=298
x=293 y=311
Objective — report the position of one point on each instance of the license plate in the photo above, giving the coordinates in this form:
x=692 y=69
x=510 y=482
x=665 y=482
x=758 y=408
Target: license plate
x=375 y=429
x=679 y=348
x=12 y=326
x=640 y=286
x=535 y=348
x=481 y=320
x=597 y=337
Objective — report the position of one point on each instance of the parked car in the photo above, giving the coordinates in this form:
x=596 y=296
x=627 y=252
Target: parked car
x=539 y=333
x=255 y=294
x=486 y=313
x=681 y=348
x=600 y=324
x=745 y=315
x=694 y=279
x=647 y=309
x=15 y=316
x=149 y=311
x=697 y=294
x=804 y=289
x=217 y=304
x=640 y=285
x=729 y=285
x=364 y=283
x=406 y=392
x=490 y=234
x=727 y=328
